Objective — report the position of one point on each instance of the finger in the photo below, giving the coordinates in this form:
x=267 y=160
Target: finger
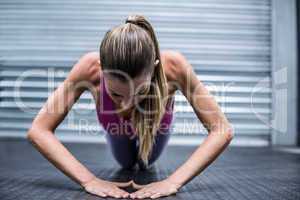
x=101 y=194
x=97 y=192
x=122 y=185
x=147 y=194
x=138 y=193
x=141 y=195
x=173 y=191
x=155 y=196
x=118 y=194
x=137 y=186
x=134 y=195
x=114 y=194
x=123 y=193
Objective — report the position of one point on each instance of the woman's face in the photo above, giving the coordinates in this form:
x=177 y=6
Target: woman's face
x=127 y=94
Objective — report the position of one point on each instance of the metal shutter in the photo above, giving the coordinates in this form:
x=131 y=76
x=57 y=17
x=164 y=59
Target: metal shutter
x=226 y=41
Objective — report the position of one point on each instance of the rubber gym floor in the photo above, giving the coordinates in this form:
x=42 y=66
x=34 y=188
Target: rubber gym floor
x=239 y=173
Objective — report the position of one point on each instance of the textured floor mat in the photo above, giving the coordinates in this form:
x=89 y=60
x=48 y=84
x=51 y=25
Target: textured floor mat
x=239 y=173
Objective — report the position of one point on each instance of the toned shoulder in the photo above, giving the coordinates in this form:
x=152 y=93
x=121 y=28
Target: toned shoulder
x=175 y=64
x=87 y=68
x=90 y=57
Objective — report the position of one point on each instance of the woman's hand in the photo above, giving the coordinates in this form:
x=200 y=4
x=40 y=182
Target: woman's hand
x=155 y=190
x=104 y=188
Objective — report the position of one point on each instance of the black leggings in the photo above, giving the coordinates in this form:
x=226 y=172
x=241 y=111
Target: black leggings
x=125 y=149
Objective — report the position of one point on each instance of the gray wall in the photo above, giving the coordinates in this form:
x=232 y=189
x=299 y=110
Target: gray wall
x=228 y=42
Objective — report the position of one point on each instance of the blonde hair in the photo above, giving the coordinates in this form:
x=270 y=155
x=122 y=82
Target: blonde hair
x=132 y=48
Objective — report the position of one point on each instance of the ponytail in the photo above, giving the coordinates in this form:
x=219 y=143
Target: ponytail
x=147 y=124
x=133 y=48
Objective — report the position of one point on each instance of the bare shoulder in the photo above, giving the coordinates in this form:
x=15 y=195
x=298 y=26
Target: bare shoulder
x=87 y=68
x=176 y=66
x=86 y=74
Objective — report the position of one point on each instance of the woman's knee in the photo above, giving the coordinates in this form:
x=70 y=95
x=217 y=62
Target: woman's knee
x=124 y=151
x=128 y=165
x=161 y=141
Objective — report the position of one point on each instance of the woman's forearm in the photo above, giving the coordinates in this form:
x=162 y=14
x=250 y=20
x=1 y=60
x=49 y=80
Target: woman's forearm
x=51 y=148
x=204 y=155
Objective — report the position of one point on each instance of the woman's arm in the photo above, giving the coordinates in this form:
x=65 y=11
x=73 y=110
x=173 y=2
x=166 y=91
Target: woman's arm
x=220 y=131
x=83 y=76
x=41 y=133
x=209 y=113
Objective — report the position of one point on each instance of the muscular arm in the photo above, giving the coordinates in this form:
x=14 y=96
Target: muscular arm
x=41 y=133
x=209 y=113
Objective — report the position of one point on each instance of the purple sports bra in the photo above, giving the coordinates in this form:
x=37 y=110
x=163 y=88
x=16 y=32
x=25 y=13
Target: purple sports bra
x=114 y=124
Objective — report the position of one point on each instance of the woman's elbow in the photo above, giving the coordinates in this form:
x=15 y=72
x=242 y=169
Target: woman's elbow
x=229 y=132
x=33 y=133
x=30 y=135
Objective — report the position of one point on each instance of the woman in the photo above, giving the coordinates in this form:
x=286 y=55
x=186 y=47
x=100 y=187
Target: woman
x=133 y=83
